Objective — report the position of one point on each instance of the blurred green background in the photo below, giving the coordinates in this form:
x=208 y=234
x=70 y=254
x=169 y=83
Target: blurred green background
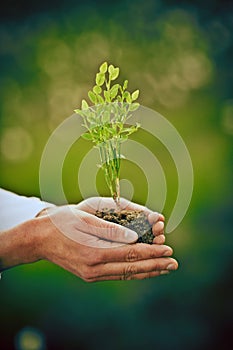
x=179 y=54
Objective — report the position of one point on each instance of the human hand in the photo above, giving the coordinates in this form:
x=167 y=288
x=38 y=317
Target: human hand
x=95 y=252
x=91 y=205
x=94 y=256
x=87 y=229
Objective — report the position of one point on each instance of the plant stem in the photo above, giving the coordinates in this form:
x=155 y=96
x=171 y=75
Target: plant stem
x=117 y=198
x=110 y=161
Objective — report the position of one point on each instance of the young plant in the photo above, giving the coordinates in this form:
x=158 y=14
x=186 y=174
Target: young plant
x=105 y=121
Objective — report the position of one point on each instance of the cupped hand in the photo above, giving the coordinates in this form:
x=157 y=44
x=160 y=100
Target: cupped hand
x=87 y=229
x=92 y=204
x=96 y=250
x=92 y=257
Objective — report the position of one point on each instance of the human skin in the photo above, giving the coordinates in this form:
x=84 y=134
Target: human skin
x=90 y=248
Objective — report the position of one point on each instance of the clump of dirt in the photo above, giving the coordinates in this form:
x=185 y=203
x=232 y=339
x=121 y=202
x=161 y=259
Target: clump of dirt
x=135 y=220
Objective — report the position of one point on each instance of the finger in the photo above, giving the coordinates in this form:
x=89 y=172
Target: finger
x=159 y=239
x=127 y=270
x=92 y=241
x=106 y=230
x=134 y=252
x=158 y=228
x=133 y=268
x=91 y=205
x=154 y=217
x=139 y=276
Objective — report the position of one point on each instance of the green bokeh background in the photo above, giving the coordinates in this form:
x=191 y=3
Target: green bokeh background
x=179 y=54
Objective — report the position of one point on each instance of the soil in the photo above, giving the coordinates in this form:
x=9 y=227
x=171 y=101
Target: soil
x=134 y=220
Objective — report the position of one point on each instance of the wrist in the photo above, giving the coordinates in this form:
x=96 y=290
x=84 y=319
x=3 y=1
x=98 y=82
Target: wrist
x=19 y=245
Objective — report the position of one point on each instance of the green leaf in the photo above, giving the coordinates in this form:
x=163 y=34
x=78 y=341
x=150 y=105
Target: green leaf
x=107 y=96
x=126 y=130
x=108 y=108
x=97 y=89
x=129 y=131
x=100 y=78
x=78 y=111
x=86 y=114
x=135 y=95
x=128 y=99
x=114 y=91
x=133 y=106
x=115 y=109
x=91 y=118
x=100 y=99
x=84 y=105
x=114 y=73
x=87 y=136
x=92 y=96
x=125 y=85
x=103 y=67
x=127 y=96
x=111 y=130
x=110 y=69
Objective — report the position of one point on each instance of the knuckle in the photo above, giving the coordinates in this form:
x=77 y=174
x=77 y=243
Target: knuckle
x=159 y=239
x=156 y=265
x=156 y=251
x=87 y=273
x=112 y=233
x=132 y=255
x=95 y=258
x=129 y=271
x=153 y=253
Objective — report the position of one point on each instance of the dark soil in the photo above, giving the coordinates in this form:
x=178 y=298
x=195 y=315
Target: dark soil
x=134 y=220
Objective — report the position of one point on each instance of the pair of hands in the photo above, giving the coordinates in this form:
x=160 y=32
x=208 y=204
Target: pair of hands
x=74 y=238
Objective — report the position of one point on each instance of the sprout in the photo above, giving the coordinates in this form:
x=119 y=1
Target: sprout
x=106 y=122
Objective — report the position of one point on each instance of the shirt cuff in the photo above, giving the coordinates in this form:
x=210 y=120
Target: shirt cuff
x=15 y=209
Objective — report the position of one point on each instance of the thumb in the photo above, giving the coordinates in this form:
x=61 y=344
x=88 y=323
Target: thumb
x=110 y=231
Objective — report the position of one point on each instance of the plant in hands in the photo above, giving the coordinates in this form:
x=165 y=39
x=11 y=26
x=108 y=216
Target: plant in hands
x=106 y=122
x=71 y=237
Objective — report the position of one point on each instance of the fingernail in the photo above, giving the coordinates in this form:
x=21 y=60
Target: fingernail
x=159 y=239
x=131 y=236
x=171 y=267
x=164 y=272
x=160 y=226
x=153 y=217
x=167 y=253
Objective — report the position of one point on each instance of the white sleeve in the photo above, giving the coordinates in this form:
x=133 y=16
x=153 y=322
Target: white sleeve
x=15 y=209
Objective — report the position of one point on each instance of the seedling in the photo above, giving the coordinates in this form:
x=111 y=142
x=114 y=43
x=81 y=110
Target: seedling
x=106 y=122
